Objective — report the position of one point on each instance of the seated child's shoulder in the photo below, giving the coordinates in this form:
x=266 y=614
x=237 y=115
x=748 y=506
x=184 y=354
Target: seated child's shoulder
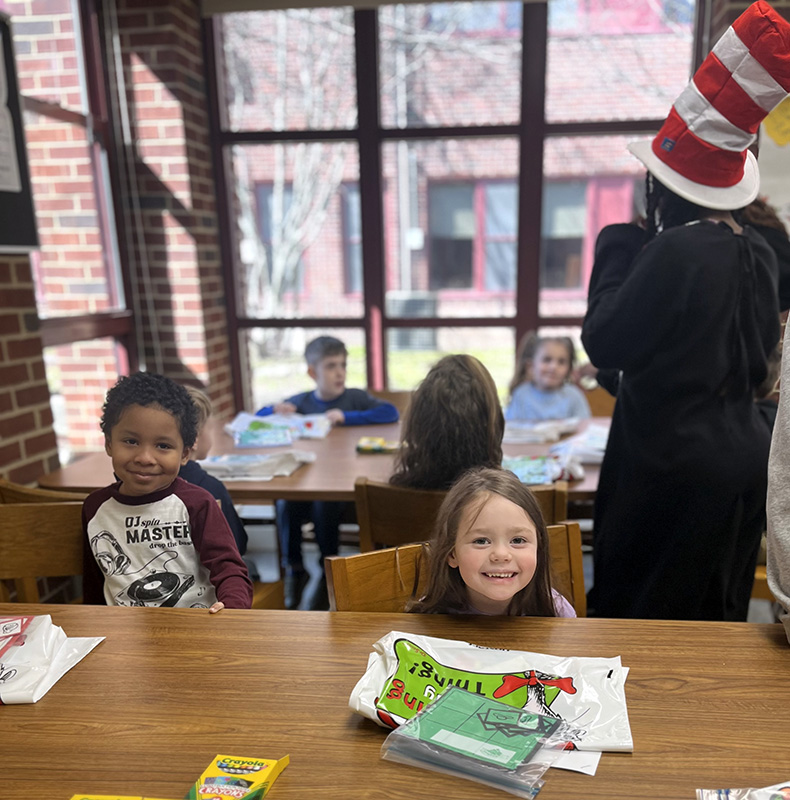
x=192 y=493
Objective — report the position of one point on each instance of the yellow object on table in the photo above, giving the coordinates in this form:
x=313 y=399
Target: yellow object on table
x=233 y=776
x=376 y=444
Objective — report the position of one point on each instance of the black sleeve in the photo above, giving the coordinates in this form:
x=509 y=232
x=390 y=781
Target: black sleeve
x=778 y=242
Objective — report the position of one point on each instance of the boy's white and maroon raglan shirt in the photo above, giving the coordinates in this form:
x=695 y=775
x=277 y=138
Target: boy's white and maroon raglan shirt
x=168 y=548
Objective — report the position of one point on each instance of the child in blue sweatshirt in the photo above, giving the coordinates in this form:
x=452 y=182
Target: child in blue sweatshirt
x=326 y=364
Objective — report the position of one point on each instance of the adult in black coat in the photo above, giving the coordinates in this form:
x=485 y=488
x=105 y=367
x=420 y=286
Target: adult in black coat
x=690 y=316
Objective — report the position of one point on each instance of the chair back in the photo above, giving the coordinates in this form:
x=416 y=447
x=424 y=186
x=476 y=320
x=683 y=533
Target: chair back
x=381 y=580
x=389 y=516
x=600 y=401
x=39 y=540
x=393 y=515
x=567 y=571
x=17 y=493
x=553 y=501
x=399 y=398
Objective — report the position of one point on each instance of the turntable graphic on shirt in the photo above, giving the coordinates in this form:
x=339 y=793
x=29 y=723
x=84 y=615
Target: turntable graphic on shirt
x=154 y=584
x=166 y=578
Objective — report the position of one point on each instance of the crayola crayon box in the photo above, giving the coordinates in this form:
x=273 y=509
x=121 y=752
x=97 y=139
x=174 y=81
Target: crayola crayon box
x=236 y=777
x=110 y=797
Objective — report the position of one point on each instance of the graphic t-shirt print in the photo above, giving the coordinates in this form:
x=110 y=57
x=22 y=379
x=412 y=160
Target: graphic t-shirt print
x=147 y=555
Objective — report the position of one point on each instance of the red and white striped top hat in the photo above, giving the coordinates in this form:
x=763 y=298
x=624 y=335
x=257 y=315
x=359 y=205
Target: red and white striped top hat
x=701 y=151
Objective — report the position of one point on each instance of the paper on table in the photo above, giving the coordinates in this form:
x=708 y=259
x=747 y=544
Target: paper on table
x=588 y=446
x=522 y=432
x=307 y=426
x=584 y=761
x=256 y=467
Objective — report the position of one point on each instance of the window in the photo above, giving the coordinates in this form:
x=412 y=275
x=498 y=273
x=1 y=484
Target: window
x=291 y=218
x=500 y=209
x=352 y=237
x=452 y=233
x=476 y=18
x=562 y=236
x=274 y=208
x=438 y=146
x=77 y=272
x=473 y=236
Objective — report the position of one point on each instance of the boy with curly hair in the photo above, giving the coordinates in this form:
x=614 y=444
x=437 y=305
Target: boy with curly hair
x=152 y=539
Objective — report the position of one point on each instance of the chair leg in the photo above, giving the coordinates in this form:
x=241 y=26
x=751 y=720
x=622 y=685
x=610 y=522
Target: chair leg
x=27 y=590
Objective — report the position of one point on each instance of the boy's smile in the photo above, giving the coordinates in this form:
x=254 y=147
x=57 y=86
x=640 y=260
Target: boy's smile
x=330 y=377
x=146 y=449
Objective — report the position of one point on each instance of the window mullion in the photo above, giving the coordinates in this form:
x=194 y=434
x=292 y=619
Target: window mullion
x=370 y=189
x=530 y=181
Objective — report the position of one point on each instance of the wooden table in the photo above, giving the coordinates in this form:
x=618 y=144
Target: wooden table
x=169 y=689
x=331 y=477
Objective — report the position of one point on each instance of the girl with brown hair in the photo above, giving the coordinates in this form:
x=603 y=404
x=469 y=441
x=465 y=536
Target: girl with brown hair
x=454 y=422
x=489 y=553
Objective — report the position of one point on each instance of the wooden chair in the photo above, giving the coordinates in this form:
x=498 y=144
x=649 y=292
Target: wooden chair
x=760 y=590
x=567 y=570
x=392 y=515
x=17 y=493
x=39 y=540
x=268 y=595
x=45 y=540
x=383 y=580
x=553 y=501
x=399 y=398
x=600 y=401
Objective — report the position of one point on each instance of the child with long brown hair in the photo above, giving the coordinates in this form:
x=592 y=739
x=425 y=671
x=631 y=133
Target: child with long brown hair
x=490 y=553
x=454 y=422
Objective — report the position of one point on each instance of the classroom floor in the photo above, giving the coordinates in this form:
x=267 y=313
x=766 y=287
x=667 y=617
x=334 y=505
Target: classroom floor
x=262 y=552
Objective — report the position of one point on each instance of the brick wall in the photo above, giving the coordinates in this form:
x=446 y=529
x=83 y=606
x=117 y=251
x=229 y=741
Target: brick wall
x=174 y=242
x=27 y=440
x=176 y=251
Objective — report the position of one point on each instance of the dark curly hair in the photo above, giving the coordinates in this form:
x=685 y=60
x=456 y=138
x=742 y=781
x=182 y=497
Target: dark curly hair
x=454 y=422
x=149 y=389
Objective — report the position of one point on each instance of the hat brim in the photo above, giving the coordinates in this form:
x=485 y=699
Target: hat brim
x=725 y=198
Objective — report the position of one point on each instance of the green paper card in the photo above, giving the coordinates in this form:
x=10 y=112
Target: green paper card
x=484 y=729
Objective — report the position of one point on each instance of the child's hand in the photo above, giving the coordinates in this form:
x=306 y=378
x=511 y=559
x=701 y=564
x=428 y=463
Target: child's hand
x=336 y=416
x=216 y=607
x=284 y=408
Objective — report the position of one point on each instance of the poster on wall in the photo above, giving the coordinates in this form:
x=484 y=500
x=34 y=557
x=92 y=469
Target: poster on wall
x=17 y=216
x=9 y=165
x=774 y=160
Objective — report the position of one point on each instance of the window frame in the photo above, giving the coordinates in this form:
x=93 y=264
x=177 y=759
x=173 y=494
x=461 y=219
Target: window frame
x=531 y=131
x=117 y=323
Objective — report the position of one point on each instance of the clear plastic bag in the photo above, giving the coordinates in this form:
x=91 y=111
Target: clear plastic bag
x=779 y=791
x=479 y=739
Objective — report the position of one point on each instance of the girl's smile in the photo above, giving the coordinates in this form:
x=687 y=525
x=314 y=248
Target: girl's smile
x=552 y=365
x=495 y=552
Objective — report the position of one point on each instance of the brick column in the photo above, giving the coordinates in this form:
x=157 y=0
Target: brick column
x=27 y=440
x=175 y=241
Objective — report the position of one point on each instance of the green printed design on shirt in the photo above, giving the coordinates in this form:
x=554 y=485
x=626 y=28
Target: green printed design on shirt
x=420 y=678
